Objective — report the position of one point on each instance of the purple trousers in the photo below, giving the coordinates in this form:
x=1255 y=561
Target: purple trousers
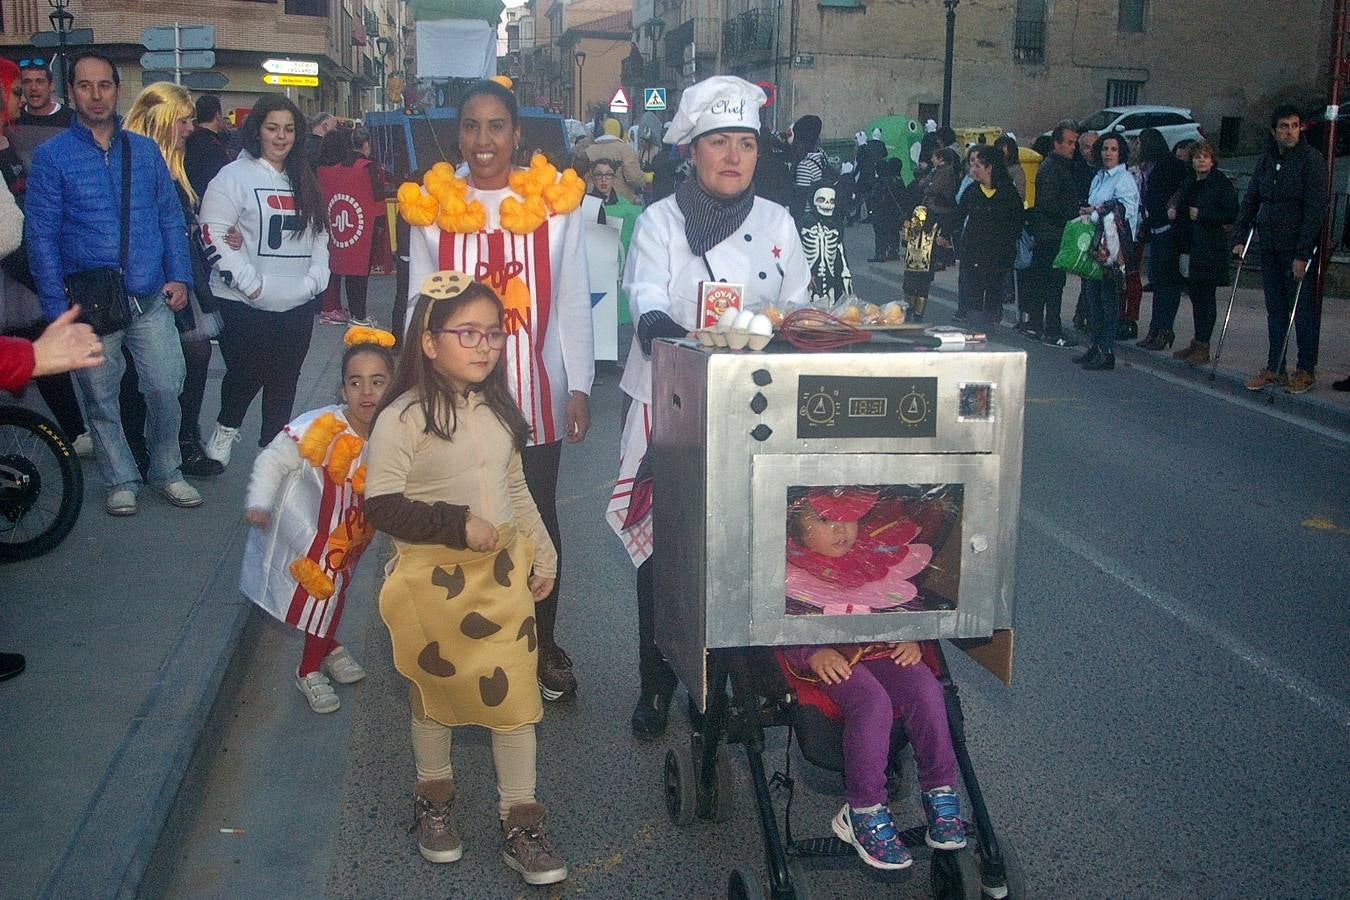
x=877 y=690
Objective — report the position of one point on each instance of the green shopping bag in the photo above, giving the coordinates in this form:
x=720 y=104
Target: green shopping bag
x=1074 y=256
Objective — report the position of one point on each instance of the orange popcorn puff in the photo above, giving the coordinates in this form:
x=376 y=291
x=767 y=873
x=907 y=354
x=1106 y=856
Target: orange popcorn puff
x=417 y=208
x=566 y=195
x=346 y=449
x=313 y=579
x=359 y=479
x=317 y=437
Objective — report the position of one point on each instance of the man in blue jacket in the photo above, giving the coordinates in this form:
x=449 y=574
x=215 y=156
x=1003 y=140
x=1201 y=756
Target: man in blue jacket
x=73 y=223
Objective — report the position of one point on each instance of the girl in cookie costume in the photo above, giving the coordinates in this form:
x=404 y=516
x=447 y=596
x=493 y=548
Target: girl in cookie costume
x=520 y=232
x=472 y=557
x=304 y=503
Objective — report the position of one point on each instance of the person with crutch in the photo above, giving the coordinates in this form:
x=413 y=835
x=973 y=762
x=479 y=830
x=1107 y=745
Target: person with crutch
x=1286 y=202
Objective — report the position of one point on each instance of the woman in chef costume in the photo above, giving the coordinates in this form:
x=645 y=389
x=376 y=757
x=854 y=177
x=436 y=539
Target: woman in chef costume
x=713 y=228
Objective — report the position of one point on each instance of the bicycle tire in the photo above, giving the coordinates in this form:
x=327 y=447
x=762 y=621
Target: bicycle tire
x=44 y=437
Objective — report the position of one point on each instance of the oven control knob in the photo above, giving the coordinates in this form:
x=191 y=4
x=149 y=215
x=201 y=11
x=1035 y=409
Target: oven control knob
x=761 y=377
x=758 y=403
x=761 y=432
x=979 y=543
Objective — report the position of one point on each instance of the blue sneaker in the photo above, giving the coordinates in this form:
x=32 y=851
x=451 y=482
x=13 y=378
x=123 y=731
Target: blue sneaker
x=874 y=836
x=946 y=831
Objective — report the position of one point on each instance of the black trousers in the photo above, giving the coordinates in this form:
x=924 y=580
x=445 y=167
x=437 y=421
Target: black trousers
x=980 y=289
x=1042 y=292
x=541 y=463
x=263 y=351
x=1205 y=307
x=654 y=673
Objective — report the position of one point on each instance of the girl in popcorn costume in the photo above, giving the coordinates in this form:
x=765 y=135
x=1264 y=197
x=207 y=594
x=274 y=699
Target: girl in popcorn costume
x=304 y=501
x=520 y=232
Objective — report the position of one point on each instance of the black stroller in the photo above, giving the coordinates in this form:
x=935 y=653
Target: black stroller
x=747 y=692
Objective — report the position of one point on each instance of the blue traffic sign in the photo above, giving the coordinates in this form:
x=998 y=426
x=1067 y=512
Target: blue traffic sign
x=654 y=98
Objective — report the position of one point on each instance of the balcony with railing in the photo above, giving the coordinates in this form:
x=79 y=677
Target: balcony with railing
x=749 y=35
x=704 y=33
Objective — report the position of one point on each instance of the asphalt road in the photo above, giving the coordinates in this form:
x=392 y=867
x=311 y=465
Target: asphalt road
x=1176 y=728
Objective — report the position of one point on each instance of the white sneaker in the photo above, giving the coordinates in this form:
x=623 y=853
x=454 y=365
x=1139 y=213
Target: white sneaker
x=83 y=445
x=320 y=694
x=343 y=669
x=221 y=444
x=181 y=494
x=367 y=322
x=120 y=503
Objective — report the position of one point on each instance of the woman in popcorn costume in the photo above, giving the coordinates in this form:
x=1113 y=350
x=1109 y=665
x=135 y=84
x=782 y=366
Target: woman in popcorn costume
x=518 y=231
x=304 y=503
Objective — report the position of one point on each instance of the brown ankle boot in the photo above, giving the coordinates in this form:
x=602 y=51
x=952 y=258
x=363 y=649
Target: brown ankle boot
x=1185 y=351
x=1199 y=354
x=437 y=834
x=527 y=849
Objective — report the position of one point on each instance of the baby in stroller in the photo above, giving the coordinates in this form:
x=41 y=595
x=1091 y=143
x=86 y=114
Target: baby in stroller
x=840 y=544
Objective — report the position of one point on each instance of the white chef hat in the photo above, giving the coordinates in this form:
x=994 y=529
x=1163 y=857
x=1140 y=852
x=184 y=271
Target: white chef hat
x=719 y=103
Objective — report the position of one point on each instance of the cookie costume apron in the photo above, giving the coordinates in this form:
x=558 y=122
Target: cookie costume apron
x=463 y=630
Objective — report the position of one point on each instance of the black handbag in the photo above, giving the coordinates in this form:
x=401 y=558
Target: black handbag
x=102 y=292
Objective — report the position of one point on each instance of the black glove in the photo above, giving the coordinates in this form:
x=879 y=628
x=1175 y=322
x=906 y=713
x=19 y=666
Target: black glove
x=655 y=325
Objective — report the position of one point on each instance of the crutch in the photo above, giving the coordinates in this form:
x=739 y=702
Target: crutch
x=1218 y=349
x=1298 y=291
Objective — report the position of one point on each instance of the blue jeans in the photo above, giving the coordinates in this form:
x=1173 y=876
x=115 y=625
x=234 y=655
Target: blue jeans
x=152 y=340
x=1103 y=310
x=1165 y=277
x=1277 y=278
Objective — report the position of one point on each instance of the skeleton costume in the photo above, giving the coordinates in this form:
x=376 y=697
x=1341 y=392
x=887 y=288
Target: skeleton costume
x=823 y=243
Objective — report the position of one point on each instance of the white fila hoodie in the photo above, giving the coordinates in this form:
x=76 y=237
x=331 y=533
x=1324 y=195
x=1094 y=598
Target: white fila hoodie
x=289 y=266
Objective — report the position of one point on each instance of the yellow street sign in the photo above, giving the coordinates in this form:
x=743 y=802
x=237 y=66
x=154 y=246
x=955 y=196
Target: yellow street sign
x=292 y=80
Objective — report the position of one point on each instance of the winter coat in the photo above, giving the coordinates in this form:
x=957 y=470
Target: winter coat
x=16 y=363
x=73 y=215
x=1163 y=180
x=992 y=225
x=1286 y=200
x=205 y=154
x=1057 y=200
x=631 y=177
x=1206 y=239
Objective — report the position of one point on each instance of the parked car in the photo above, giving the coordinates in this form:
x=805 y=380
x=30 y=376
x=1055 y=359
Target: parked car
x=1176 y=123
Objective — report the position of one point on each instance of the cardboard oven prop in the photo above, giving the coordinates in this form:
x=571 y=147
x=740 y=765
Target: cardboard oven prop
x=862 y=494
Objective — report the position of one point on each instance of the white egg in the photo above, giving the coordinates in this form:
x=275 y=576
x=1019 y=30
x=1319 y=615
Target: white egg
x=728 y=319
x=760 y=324
x=743 y=319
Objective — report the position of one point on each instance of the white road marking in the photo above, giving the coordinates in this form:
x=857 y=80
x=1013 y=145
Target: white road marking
x=1204 y=627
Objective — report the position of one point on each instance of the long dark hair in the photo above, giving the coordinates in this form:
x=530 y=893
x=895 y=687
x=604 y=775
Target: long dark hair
x=417 y=373
x=309 y=208
x=336 y=148
x=1152 y=146
x=999 y=177
x=805 y=136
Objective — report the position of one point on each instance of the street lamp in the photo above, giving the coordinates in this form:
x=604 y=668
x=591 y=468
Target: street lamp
x=580 y=57
x=654 y=28
x=382 y=50
x=947 y=62
x=61 y=20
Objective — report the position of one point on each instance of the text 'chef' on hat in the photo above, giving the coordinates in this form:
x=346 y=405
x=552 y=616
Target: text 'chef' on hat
x=719 y=103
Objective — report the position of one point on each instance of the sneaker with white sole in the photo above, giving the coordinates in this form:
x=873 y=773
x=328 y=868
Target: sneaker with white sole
x=221 y=444
x=342 y=668
x=120 y=503
x=945 y=831
x=366 y=322
x=334 y=317
x=83 y=445
x=320 y=694
x=527 y=849
x=874 y=836
x=182 y=494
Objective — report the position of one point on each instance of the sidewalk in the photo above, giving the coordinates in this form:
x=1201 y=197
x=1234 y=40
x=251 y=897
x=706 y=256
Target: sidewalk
x=128 y=628
x=1244 y=348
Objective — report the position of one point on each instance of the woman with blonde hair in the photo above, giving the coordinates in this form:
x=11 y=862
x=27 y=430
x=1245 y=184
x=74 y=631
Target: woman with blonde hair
x=163 y=112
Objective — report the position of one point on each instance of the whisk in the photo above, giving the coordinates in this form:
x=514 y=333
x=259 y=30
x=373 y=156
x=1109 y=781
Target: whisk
x=814 y=329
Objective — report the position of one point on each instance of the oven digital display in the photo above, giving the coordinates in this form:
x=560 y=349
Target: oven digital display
x=845 y=406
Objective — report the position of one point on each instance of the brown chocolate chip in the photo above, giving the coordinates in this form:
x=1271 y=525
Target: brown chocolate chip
x=477 y=626
x=433 y=663
x=453 y=582
x=501 y=569
x=527 y=631
x=493 y=690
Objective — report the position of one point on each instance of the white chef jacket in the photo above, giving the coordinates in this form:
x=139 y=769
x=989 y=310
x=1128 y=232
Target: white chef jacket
x=662 y=274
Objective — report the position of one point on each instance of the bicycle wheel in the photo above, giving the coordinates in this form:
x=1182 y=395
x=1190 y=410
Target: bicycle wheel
x=41 y=485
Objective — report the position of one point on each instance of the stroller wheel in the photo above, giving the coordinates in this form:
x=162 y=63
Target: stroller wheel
x=955 y=875
x=744 y=885
x=681 y=786
x=720 y=796
x=1014 y=880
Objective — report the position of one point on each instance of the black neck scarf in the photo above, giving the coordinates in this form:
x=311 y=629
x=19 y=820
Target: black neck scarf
x=709 y=220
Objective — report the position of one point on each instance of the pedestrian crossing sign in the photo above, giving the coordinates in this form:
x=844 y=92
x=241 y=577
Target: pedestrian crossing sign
x=654 y=98
x=619 y=102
